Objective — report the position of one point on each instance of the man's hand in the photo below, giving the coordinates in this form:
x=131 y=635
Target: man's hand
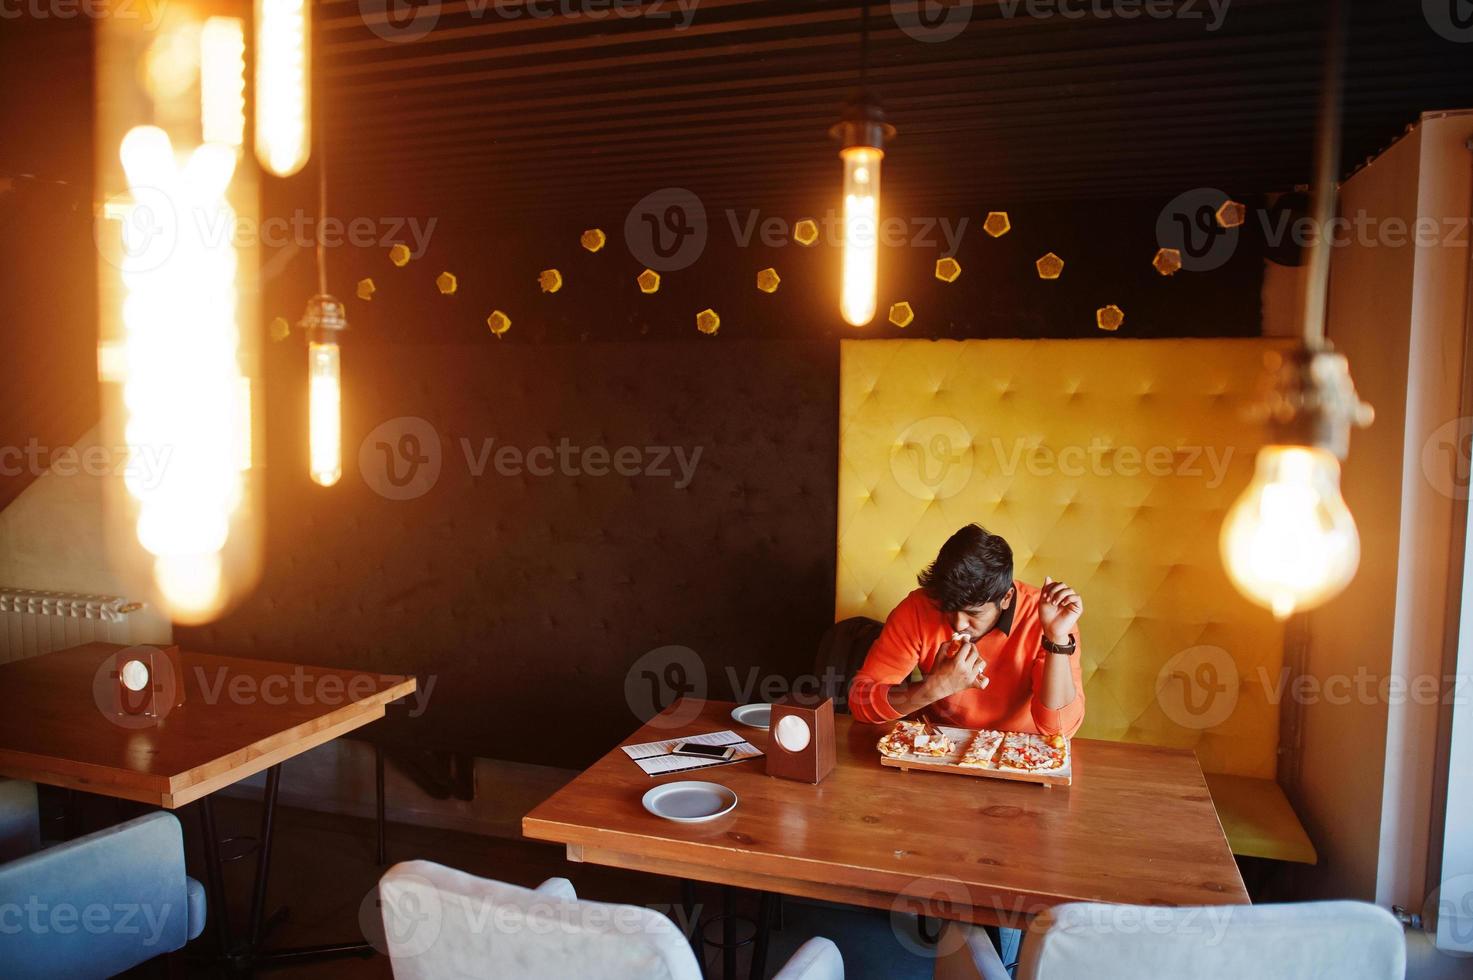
x=1059 y=609
x=954 y=671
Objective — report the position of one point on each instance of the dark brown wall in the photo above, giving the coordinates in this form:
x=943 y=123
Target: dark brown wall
x=48 y=323
x=527 y=597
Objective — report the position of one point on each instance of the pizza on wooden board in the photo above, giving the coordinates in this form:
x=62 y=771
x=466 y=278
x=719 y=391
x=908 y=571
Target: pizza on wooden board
x=1032 y=753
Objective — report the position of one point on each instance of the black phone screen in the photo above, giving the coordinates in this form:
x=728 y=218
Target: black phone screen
x=711 y=751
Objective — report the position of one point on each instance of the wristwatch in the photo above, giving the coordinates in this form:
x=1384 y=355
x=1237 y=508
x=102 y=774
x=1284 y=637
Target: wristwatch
x=1066 y=649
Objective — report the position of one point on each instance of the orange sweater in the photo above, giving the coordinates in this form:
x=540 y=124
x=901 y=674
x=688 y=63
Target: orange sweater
x=916 y=631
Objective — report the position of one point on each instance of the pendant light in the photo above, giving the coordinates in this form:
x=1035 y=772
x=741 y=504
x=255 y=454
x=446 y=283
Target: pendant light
x=283 y=85
x=1289 y=543
x=176 y=364
x=861 y=132
x=323 y=324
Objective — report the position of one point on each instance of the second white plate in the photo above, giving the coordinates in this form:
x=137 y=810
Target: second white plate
x=753 y=715
x=689 y=801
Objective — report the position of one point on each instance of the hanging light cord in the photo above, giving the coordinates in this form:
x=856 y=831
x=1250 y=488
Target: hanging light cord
x=321 y=217
x=864 y=45
x=1327 y=168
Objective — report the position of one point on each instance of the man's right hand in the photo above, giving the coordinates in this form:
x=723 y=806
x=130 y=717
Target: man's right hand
x=957 y=668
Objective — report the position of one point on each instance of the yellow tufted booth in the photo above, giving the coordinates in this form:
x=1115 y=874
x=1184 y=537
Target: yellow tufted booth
x=1107 y=464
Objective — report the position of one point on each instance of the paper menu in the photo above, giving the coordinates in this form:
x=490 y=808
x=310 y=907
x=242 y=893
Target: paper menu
x=655 y=758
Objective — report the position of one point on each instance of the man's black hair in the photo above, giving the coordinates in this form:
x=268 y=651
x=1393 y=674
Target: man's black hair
x=973 y=567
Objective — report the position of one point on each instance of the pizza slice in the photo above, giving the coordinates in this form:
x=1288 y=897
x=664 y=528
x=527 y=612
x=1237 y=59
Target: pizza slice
x=935 y=743
x=914 y=738
x=901 y=739
x=1032 y=753
x=982 y=750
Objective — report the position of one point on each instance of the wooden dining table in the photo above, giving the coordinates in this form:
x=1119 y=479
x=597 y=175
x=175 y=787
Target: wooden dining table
x=239 y=717
x=1136 y=827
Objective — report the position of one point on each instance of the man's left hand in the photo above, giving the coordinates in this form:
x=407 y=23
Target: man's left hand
x=1059 y=609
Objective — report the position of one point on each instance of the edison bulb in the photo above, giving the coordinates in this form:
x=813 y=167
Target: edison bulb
x=1289 y=542
x=283 y=85
x=325 y=423
x=861 y=233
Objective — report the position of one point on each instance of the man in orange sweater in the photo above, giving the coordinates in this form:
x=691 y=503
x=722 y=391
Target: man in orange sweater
x=1014 y=663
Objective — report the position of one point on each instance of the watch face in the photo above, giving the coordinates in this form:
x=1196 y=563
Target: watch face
x=793 y=733
x=134 y=675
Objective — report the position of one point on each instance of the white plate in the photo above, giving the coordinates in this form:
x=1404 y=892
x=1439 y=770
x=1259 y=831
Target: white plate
x=689 y=801
x=753 y=715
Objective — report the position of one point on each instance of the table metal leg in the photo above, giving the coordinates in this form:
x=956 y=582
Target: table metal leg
x=728 y=934
x=758 y=969
x=378 y=789
x=693 y=921
x=263 y=854
x=214 y=880
x=248 y=955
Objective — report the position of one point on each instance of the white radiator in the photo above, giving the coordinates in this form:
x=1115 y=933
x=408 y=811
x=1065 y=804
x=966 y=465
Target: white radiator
x=33 y=622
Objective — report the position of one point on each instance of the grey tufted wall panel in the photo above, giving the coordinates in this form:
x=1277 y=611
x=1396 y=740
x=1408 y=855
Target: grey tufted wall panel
x=528 y=597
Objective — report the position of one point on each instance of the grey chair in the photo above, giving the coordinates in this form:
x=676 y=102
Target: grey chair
x=94 y=906
x=1089 y=941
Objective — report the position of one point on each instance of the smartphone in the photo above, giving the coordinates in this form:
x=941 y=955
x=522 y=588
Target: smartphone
x=719 y=752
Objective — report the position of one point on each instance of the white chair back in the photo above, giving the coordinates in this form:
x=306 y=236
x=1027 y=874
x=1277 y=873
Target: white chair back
x=1330 y=940
x=443 y=924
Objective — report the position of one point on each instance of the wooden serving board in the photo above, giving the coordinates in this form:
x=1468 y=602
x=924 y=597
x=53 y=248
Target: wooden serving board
x=1063 y=776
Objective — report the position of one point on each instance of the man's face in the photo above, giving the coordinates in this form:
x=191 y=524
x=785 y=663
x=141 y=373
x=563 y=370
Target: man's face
x=975 y=621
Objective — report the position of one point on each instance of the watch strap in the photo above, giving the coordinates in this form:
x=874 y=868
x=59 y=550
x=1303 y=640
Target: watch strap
x=1067 y=649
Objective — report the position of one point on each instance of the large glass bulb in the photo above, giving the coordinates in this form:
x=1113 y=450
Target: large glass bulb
x=283 y=85
x=325 y=423
x=1289 y=542
x=861 y=233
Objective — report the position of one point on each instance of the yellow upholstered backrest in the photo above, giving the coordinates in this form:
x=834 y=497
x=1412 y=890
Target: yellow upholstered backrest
x=1107 y=464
